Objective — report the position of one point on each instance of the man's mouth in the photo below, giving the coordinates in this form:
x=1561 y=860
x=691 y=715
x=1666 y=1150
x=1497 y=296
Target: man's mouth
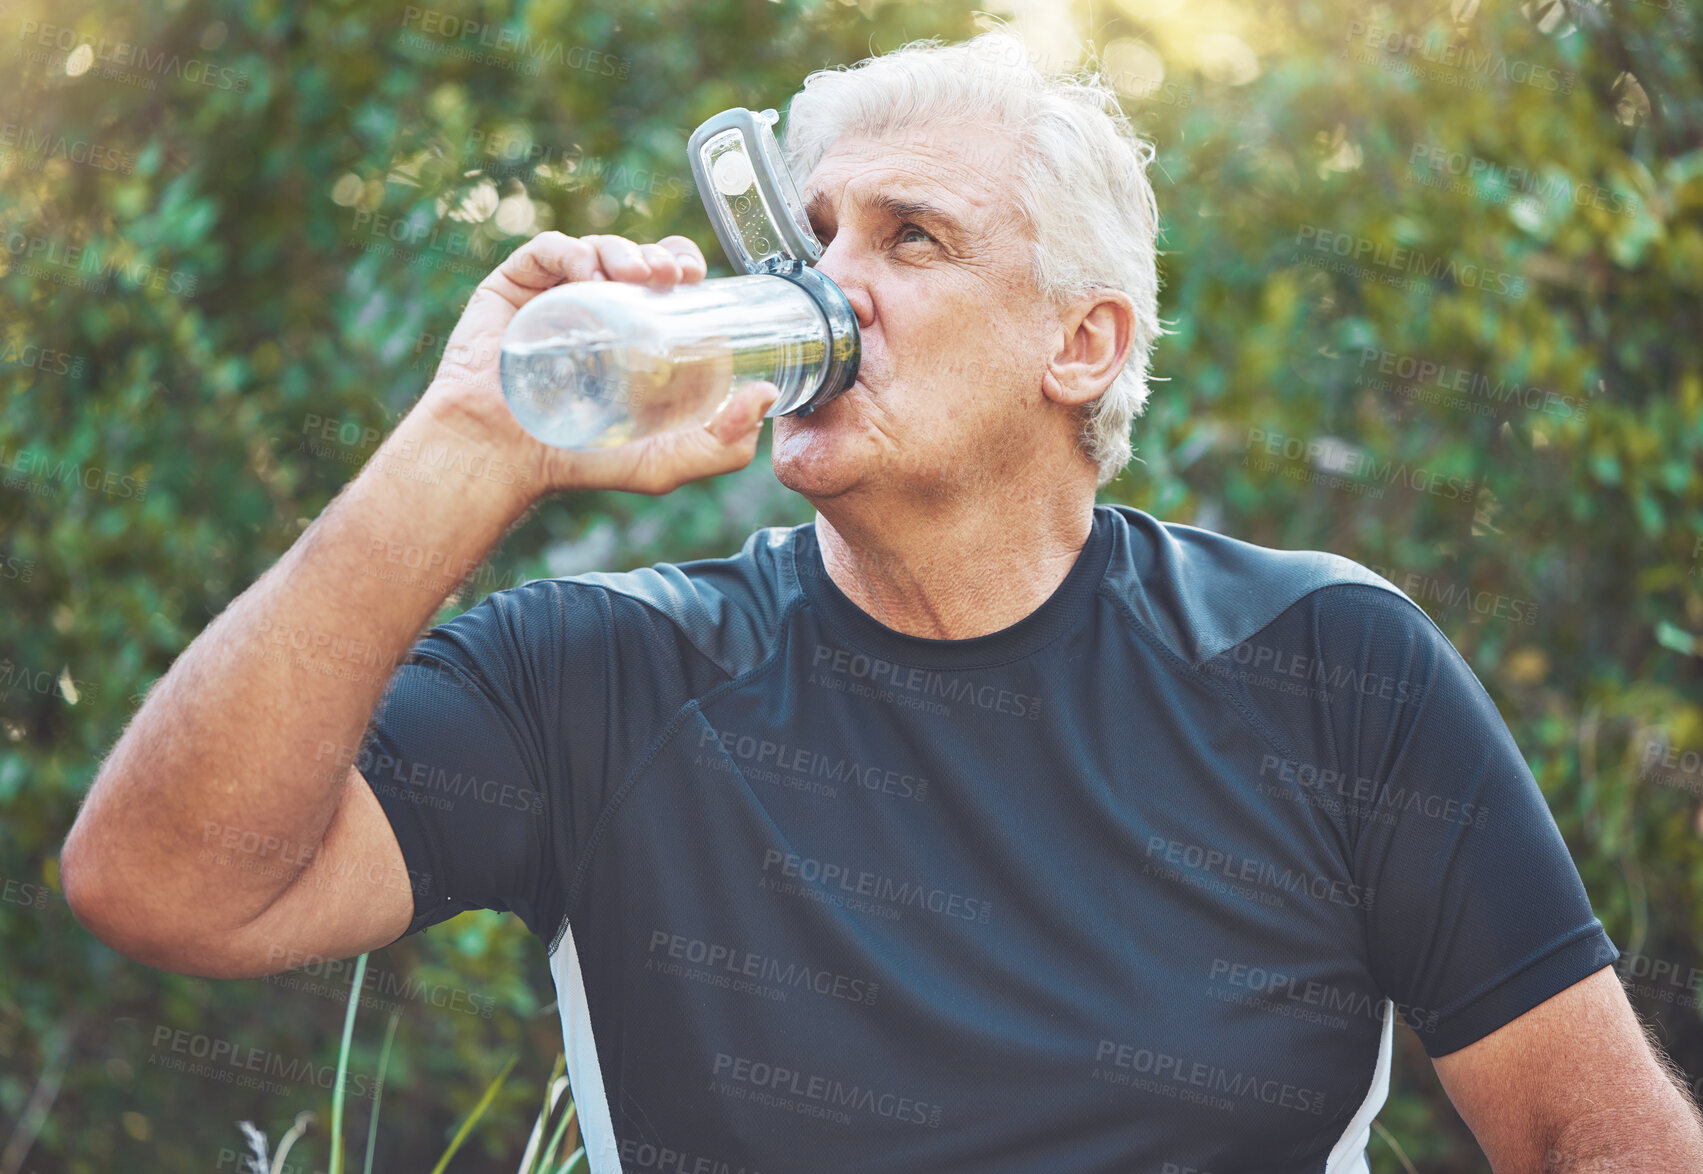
x=858 y=388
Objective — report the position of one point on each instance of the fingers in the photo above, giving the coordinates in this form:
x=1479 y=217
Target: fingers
x=664 y=266
x=726 y=443
x=619 y=258
x=551 y=258
x=687 y=254
x=740 y=415
x=548 y=259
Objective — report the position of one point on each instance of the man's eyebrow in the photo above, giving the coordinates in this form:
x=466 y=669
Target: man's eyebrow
x=909 y=209
x=819 y=207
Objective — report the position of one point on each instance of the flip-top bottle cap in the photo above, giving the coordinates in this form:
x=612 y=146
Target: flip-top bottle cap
x=749 y=194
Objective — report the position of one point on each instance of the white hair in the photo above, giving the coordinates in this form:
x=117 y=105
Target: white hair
x=1080 y=181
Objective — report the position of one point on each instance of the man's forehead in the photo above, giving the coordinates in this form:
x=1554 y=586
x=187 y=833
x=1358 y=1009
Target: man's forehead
x=927 y=165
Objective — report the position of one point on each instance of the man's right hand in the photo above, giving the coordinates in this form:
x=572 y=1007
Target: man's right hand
x=466 y=394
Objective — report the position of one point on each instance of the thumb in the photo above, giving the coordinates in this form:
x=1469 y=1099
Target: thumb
x=725 y=443
x=739 y=417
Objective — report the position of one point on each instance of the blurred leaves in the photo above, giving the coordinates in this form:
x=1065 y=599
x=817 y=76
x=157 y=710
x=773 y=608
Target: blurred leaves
x=224 y=281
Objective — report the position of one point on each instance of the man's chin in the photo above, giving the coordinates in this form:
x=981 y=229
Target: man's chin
x=809 y=474
x=812 y=456
x=831 y=450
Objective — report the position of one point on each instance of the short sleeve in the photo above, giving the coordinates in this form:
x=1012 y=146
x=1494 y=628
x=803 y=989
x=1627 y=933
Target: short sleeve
x=1478 y=913
x=486 y=753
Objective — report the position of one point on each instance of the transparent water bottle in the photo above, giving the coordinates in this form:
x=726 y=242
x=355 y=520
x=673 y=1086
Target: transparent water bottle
x=597 y=364
x=600 y=363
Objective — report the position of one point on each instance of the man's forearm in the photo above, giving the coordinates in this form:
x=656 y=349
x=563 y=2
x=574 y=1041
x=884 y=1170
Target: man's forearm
x=1658 y=1128
x=230 y=748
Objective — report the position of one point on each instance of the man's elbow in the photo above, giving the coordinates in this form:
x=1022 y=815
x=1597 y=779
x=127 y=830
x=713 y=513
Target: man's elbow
x=154 y=924
x=79 y=876
x=95 y=900
x=115 y=909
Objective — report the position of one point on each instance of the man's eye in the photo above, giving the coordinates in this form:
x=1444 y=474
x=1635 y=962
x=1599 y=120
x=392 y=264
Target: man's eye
x=910 y=232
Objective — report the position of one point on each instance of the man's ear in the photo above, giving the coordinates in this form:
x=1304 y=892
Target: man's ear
x=1098 y=331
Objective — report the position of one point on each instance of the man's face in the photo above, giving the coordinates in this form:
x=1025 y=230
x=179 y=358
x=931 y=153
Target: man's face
x=922 y=234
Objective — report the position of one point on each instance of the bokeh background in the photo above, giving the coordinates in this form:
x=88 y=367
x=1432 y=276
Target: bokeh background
x=236 y=233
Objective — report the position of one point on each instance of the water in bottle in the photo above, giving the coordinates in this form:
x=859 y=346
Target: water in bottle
x=597 y=364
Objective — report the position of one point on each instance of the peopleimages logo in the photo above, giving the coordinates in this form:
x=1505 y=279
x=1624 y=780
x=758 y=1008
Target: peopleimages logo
x=85 y=266
x=1440 y=383
x=815 y=765
x=1409 y=262
x=1207 y=861
x=1673 y=767
x=30 y=896
x=44 y=146
x=1170 y=1073
x=47 y=360
x=1659 y=979
x=513 y=49
x=1275 y=985
x=1424 y=589
x=1304 y=780
x=117 y=59
x=724 y=965
x=246 y=1067
x=637 y=1154
x=424 y=782
x=429 y=244
x=1331 y=456
x=335 y=977
x=1464 y=66
x=914 y=687
x=22 y=468
x=826 y=1091
x=852 y=883
x=1430 y=162
x=1270 y=666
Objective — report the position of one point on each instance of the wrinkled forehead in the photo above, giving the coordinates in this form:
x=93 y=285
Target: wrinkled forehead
x=967 y=170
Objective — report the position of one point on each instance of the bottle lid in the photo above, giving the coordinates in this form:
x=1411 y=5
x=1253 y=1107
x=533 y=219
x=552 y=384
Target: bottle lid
x=845 y=344
x=749 y=194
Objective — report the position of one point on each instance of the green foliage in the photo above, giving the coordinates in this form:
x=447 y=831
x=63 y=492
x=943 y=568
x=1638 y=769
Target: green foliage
x=290 y=217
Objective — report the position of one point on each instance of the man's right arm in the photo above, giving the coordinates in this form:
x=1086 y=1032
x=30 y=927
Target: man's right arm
x=221 y=837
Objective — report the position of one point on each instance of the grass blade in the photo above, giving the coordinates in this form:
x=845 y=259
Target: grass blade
x=473 y=1117
x=549 y=1105
x=343 y=1066
x=546 y=1163
x=378 y=1089
x=279 y=1164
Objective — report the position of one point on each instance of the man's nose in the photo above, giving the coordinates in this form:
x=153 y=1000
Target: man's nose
x=836 y=265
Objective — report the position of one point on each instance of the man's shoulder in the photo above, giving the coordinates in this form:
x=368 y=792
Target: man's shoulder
x=729 y=608
x=1203 y=593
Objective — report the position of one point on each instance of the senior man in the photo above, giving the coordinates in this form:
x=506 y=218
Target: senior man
x=974 y=827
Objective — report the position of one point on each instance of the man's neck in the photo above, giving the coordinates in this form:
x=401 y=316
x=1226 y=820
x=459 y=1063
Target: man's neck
x=970 y=572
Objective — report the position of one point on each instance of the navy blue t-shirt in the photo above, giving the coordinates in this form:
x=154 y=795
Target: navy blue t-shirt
x=1139 y=883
